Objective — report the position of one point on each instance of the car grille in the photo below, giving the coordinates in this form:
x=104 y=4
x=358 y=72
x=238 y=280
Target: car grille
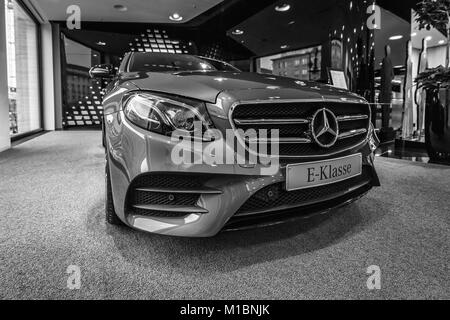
x=276 y=197
x=166 y=195
x=293 y=120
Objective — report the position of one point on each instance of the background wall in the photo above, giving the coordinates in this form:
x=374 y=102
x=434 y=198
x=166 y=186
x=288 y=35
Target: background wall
x=436 y=56
x=5 y=141
x=48 y=87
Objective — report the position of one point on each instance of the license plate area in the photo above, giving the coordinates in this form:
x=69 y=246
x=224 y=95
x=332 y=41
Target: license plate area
x=320 y=173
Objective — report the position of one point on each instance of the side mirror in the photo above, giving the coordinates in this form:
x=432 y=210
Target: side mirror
x=102 y=71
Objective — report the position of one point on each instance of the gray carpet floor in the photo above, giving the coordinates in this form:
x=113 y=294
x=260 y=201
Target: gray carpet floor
x=51 y=217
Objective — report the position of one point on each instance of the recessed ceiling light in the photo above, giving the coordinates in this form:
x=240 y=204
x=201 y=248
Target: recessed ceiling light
x=291 y=22
x=441 y=41
x=428 y=38
x=175 y=17
x=283 y=8
x=101 y=43
x=398 y=37
x=237 y=32
x=120 y=7
x=284 y=46
x=413 y=34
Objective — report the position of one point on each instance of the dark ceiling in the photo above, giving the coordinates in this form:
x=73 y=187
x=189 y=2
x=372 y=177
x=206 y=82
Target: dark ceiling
x=209 y=26
x=401 y=8
x=307 y=23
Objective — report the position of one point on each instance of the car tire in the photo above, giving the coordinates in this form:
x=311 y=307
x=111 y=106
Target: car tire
x=111 y=216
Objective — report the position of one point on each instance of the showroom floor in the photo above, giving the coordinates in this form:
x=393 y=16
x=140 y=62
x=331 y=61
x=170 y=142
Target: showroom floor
x=51 y=216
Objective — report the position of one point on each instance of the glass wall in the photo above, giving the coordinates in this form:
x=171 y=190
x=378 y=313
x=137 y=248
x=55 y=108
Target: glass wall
x=302 y=64
x=23 y=69
x=81 y=95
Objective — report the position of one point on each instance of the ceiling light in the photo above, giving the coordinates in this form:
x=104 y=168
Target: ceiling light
x=441 y=41
x=413 y=34
x=283 y=8
x=291 y=22
x=428 y=38
x=120 y=7
x=101 y=43
x=398 y=37
x=175 y=17
x=237 y=32
x=284 y=46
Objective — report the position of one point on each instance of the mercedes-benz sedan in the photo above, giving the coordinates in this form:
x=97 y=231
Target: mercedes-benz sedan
x=180 y=133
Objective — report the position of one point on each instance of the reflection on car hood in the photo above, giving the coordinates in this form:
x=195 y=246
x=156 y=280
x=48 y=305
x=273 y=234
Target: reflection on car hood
x=206 y=86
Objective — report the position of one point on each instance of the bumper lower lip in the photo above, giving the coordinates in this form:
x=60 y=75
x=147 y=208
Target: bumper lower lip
x=305 y=211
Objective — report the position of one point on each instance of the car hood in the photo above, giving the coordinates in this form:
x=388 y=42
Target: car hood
x=206 y=86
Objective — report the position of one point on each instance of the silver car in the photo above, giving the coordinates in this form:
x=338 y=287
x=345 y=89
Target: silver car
x=323 y=138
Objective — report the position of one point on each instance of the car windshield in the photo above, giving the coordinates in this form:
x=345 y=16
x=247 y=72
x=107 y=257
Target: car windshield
x=161 y=62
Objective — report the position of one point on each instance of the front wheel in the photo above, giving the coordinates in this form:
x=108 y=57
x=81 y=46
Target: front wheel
x=111 y=216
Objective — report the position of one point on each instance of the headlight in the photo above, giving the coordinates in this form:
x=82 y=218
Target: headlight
x=164 y=115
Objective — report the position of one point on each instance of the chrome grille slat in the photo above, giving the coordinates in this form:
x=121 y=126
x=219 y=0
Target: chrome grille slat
x=188 y=191
x=352 y=133
x=170 y=208
x=282 y=140
x=353 y=118
x=271 y=121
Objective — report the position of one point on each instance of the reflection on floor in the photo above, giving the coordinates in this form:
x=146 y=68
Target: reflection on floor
x=399 y=151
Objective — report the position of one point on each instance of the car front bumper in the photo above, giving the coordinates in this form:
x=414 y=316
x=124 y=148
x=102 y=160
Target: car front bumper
x=222 y=191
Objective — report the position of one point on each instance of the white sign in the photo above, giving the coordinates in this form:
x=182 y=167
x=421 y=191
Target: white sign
x=338 y=79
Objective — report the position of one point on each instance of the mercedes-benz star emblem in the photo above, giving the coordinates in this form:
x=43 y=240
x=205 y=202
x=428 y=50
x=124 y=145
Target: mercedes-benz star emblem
x=324 y=128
